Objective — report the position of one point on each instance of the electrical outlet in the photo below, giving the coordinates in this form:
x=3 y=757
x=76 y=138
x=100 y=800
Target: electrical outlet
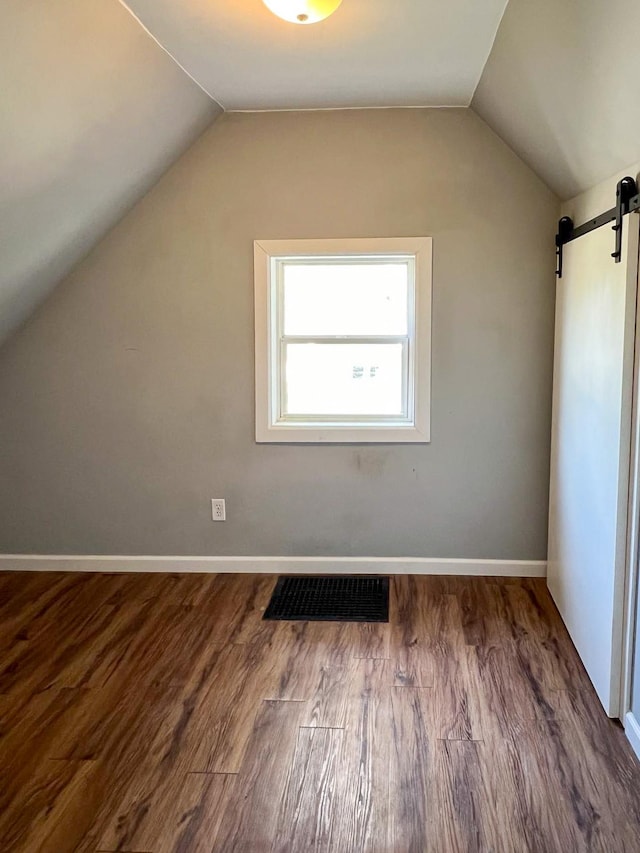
x=218 y=510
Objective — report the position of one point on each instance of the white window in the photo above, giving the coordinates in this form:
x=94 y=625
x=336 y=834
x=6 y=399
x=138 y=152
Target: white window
x=343 y=340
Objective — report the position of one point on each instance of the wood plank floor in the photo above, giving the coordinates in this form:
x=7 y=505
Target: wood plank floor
x=160 y=714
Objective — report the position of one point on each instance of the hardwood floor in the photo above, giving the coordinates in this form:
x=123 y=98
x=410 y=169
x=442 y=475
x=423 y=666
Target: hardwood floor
x=160 y=714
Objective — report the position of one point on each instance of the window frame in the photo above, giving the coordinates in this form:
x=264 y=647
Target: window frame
x=270 y=343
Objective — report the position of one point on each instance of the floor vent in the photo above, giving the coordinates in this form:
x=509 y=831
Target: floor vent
x=335 y=598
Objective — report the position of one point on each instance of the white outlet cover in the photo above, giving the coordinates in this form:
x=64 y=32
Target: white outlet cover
x=218 y=509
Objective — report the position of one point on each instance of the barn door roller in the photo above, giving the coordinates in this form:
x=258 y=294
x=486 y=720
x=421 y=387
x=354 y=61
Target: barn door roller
x=627 y=200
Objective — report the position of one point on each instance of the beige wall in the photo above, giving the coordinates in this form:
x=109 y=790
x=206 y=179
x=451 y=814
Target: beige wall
x=128 y=399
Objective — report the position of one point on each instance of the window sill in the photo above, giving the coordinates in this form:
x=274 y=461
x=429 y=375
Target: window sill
x=282 y=434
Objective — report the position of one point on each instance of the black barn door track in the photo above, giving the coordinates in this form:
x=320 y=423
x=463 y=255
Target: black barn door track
x=332 y=598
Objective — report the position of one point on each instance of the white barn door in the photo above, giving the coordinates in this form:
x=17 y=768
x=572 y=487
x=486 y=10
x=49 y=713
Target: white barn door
x=590 y=449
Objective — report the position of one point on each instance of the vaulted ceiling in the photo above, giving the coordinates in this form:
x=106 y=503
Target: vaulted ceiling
x=369 y=53
x=98 y=99
x=561 y=87
x=92 y=112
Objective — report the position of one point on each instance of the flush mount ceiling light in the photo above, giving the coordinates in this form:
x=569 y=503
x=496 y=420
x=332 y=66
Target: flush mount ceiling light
x=302 y=11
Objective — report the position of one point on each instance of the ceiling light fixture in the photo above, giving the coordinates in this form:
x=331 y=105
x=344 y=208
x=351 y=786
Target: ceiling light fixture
x=302 y=11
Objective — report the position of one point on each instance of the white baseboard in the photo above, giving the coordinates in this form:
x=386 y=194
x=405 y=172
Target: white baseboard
x=632 y=731
x=274 y=565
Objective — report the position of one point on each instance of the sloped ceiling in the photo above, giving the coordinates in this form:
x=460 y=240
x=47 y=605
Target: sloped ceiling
x=92 y=112
x=369 y=53
x=561 y=87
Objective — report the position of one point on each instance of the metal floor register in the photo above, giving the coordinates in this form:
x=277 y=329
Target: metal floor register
x=333 y=598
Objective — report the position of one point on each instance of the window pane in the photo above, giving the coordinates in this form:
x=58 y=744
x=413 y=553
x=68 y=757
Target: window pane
x=344 y=379
x=345 y=299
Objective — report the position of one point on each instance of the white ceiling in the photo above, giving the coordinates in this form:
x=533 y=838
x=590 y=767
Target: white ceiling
x=369 y=53
x=561 y=87
x=92 y=113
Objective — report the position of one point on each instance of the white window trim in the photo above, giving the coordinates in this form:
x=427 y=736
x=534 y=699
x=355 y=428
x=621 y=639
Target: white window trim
x=268 y=430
